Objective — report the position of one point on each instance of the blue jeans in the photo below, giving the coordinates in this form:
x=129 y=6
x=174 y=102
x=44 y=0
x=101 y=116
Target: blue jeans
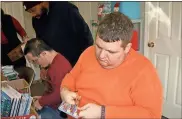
x=49 y=113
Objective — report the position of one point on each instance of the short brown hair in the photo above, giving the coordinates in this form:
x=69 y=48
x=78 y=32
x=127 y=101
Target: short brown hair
x=35 y=46
x=114 y=27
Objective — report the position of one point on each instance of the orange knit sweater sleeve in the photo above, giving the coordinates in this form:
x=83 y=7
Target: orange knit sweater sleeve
x=146 y=94
x=69 y=79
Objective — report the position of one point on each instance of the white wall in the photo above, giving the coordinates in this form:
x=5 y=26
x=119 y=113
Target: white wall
x=28 y=24
x=88 y=10
x=142 y=29
x=31 y=33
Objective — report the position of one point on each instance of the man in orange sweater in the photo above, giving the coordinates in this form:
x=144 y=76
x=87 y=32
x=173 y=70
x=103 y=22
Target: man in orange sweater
x=110 y=79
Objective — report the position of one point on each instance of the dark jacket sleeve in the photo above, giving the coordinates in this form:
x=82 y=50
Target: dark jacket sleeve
x=81 y=28
x=35 y=27
x=56 y=30
x=65 y=14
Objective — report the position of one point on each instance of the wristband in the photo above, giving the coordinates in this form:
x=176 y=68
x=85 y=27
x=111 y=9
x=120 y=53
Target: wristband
x=102 y=112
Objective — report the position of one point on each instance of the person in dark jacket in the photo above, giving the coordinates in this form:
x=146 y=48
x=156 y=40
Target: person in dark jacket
x=61 y=26
x=9 y=39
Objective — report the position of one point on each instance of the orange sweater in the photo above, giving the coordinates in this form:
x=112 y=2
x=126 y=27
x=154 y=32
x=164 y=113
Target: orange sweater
x=132 y=90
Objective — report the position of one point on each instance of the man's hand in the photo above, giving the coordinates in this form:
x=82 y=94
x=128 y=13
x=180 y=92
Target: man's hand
x=90 y=111
x=37 y=105
x=25 y=39
x=69 y=96
x=37 y=97
x=43 y=74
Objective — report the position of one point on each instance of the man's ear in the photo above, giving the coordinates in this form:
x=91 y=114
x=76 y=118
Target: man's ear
x=43 y=53
x=127 y=48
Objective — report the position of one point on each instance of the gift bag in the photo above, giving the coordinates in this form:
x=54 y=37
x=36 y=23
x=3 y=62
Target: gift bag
x=16 y=53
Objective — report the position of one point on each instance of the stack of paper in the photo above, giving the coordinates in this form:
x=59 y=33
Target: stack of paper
x=9 y=72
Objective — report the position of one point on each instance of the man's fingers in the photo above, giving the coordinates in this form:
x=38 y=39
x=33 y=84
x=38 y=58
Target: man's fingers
x=77 y=99
x=73 y=98
x=81 y=114
x=37 y=97
x=74 y=95
x=78 y=108
x=71 y=101
x=84 y=107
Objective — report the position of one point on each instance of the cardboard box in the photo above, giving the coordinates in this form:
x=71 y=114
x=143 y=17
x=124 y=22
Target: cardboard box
x=3 y=78
x=20 y=85
x=33 y=111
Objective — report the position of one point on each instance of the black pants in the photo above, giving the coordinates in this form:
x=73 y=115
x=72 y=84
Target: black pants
x=5 y=60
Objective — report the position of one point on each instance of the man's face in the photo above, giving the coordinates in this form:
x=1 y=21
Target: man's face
x=110 y=54
x=40 y=60
x=37 y=11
